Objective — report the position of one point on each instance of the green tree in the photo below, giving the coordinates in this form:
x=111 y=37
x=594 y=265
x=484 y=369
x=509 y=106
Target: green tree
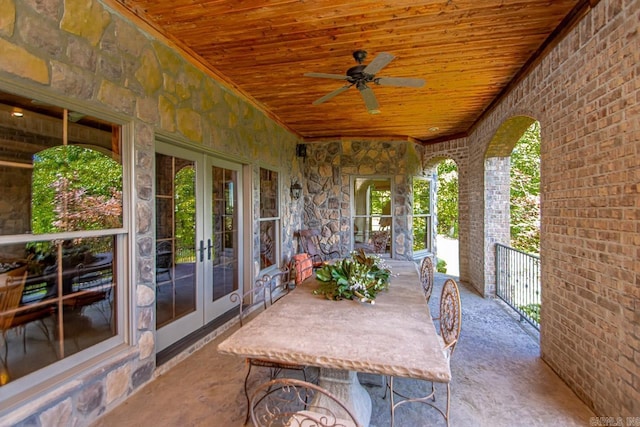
x=75 y=188
x=447 y=200
x=525 y=191
x=185 y=210
x=421 y=206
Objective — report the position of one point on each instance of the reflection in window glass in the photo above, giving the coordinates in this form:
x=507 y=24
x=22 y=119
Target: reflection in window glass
x=73 y=189
x=175 y=238
x=58 y=297
x=269 y=217
x=372 y=219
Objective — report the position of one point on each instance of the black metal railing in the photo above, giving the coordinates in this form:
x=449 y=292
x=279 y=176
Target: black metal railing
x=518 y=282
x=185 y=255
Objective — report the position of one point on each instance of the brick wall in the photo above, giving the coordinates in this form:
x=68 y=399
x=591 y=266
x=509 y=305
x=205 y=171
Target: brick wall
x=458 y=151
x=585 y=94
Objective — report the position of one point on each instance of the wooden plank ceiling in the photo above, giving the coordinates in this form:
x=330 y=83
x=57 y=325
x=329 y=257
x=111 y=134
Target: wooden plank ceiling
x=467 y=51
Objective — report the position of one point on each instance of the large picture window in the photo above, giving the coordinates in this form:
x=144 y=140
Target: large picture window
x=61 y=234
x=269 y=218
x=422 y=217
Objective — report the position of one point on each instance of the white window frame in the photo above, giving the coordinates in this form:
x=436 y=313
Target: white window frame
x=277 y=220
x=28 y=386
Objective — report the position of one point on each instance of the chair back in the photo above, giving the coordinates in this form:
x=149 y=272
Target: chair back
x=426 y=276
x=296 y=403
x=278 y=284
x=380 y=240
x=310 y=241
x=11 y=289
x=251 y=300
x=450 y=314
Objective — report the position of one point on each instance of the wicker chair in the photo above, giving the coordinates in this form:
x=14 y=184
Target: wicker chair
x=10 y=296
x=12 y=315
x=426 y=276
x=296 y=403
x=266 y=291
x=450 y=325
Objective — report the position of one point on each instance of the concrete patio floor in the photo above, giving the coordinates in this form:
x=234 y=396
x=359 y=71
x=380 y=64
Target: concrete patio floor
x=498 y=380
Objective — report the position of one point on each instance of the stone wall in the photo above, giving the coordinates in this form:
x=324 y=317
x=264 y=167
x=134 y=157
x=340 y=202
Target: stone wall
x=585 y=94
x=328 y=169
x=80 y=54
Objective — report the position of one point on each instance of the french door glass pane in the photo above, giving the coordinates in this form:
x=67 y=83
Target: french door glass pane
x=175 y=237
x=224 y=256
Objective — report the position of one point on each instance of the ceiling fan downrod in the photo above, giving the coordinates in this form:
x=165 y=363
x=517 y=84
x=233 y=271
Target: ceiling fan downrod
x=360 y=56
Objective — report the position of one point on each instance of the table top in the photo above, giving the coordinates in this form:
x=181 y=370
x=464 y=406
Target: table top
x=395 y=336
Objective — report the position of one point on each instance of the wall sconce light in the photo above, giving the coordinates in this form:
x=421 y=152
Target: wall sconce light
x=296 y=191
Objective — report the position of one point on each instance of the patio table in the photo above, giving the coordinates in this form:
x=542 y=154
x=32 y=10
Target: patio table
x=395 y=336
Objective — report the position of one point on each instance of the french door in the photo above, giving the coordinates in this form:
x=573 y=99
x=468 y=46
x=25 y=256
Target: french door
x=198 y=240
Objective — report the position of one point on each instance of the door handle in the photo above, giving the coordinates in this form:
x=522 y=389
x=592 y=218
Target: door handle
x=201 y=250
x=209 y=246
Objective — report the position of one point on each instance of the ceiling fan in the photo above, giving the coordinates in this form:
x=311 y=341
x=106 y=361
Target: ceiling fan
x=360 y=75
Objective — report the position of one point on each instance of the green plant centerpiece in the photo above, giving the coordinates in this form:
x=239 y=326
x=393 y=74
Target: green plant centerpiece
x=360 y=276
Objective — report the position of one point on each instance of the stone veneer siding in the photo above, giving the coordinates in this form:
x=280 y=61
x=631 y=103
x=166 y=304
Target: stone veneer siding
x=80 y=54
x=585 y=94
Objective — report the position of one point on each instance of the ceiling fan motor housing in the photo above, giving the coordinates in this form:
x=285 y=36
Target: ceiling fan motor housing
x=357 y=74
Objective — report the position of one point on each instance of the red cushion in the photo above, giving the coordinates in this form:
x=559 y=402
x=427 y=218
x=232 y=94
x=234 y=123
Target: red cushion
x=303 y=266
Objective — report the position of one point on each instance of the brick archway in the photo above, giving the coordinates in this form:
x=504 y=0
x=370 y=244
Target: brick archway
x=497 y=165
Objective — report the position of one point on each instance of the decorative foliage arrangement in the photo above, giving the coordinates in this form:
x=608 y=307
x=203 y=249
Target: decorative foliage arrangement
x=359 y=277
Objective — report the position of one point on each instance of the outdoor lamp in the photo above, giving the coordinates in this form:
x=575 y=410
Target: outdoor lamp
x=296 y=191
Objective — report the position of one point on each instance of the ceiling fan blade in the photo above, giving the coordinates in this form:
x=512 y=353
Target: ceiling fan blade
x=369 y=99
x=378 y=63
x=331 y=95
x=399 y=81
x=327 y=76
